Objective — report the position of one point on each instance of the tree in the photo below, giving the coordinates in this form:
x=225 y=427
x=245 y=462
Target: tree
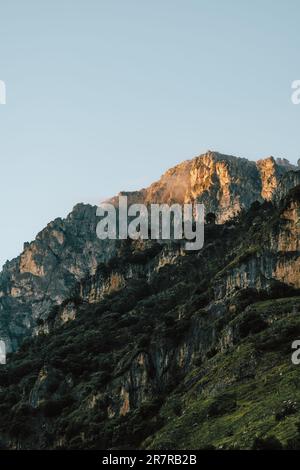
x=210 y=218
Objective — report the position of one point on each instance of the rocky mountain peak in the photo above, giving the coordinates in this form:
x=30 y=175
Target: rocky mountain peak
x=50 y=268
x=225 y=184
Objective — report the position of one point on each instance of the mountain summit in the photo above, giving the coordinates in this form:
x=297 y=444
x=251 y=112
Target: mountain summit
x=223 y=183
x=49 y=269
x=122 y=344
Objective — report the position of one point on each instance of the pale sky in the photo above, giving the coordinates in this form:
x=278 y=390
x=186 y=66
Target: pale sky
x=105 y=95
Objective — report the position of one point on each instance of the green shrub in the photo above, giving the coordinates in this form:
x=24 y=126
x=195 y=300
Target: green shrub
x=52 y=408
x=251 y=323
x=269 y=443
x=287 y=409
x=223 y=404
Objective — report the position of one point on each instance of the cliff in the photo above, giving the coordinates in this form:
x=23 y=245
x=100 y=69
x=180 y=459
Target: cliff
x=47 y=272
x=224 y=184
x=165 y=349
x=142 y=344
x=49 y=269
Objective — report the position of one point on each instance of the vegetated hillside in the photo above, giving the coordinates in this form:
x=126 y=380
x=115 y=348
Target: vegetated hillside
x=170 y=350
x=68 y=250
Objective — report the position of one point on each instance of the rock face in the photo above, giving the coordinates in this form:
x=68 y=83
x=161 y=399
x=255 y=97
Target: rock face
x=260 y=256
x=50 y=268
x=224 y=184
x=290 y=180
x=123 y=329
x=48 y=271
x=273 y=253
x=158 y=340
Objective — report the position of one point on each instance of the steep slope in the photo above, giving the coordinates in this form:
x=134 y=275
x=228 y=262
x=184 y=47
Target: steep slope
x=224 y=184
x=66 y=251
x=165 y=349
x=48 y=271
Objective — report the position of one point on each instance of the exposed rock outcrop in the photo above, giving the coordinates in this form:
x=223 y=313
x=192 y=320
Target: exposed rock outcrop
x=67 y=251
x=224 y=184
x=158 y=339
x=47 y=272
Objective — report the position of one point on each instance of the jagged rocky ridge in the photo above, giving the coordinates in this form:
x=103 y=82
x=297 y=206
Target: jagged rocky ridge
x=158 y=336
x=224 y=184
x=66 y=251
x=156 y=347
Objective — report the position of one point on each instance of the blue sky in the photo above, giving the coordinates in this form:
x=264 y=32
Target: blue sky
x=105 y=95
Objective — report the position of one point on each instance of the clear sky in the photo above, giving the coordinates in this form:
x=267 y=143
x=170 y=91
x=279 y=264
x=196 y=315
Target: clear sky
x=105 y=95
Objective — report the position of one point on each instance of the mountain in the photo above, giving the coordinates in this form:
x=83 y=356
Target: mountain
x=131 y=344
x=49 y=268
x=223 y=183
